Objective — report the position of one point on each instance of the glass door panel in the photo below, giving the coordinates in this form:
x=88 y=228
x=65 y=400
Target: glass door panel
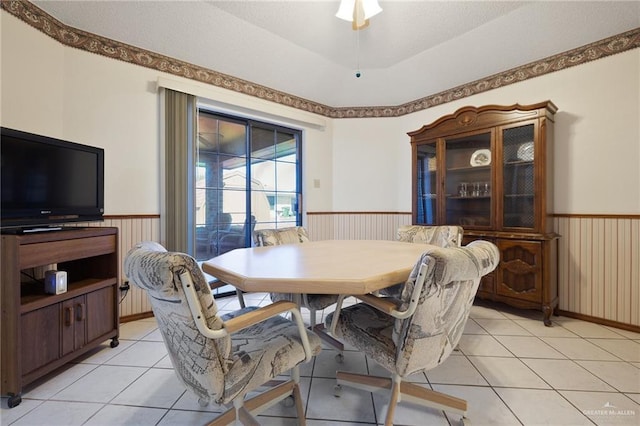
x=275 y=177
x=220 y=186
x=426 y=209
x=468 y=180
x=518 y=177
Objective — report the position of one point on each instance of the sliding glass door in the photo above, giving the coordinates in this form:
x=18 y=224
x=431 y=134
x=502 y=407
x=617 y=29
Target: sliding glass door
x=247 y=176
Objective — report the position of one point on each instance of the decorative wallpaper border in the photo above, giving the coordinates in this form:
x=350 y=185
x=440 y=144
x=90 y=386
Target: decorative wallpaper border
x=89 y=42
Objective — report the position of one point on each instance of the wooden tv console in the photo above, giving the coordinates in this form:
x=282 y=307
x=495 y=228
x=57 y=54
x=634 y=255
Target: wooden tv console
x=41 y=332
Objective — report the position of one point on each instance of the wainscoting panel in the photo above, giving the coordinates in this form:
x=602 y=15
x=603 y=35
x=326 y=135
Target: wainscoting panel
x=355 y=226
x=599 y=257
x=599 y=267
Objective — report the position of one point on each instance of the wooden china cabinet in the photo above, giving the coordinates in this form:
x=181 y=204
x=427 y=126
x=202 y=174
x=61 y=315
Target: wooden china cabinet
x=490 y=170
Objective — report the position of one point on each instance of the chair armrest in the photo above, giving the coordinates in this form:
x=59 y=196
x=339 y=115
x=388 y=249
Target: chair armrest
x=250 y=318
x=244 y=320
x=388 y=305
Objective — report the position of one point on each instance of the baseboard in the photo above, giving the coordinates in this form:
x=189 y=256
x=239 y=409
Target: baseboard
x=601 y=321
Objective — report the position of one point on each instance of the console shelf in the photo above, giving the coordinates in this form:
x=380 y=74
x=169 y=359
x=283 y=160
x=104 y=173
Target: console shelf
x=41 y=332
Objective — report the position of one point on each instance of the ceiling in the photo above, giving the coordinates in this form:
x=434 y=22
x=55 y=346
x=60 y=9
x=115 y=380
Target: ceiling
x=412 y=49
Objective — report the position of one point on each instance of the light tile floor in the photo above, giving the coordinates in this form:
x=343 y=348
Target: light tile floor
x=510 y=367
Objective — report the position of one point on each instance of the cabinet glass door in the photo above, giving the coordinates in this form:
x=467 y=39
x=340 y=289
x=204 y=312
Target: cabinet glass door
x=426 y=209
x=468 y=180
x=518 y=177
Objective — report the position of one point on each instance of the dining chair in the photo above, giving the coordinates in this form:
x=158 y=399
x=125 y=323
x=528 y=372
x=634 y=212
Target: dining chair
x=220 y=359
x=437 y=235
x=418 y=331
x=313 y=302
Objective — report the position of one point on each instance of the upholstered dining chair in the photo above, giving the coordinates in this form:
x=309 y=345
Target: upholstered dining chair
x=420 y=330
x=437 y=235
x=313 y=302
x=221 y=358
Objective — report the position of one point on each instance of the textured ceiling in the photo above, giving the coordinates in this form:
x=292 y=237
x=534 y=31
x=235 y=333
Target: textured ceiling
x=412 y=49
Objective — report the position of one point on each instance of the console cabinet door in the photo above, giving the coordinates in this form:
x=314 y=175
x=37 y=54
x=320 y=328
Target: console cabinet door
x=520 y=270
x=101 y=316
x=40 y=337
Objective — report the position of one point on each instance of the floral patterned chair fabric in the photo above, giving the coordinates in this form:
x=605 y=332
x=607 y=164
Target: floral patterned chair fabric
x=214 y=356
x=405 y=339
x=275 y=237
x=441 y=236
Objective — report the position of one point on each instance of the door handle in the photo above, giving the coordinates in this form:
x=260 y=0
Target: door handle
x=67 y=317
x=80 y=312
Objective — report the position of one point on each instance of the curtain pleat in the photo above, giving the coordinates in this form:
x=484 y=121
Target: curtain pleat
x=180 y=136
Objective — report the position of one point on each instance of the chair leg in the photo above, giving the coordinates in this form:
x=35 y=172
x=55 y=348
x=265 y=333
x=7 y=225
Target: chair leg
x=312 y=318
x=302 y=421
x=406 y=391
x=393 y=402
x=243 y=416
x=256 y=404
x=322 y=333
x=240 y=298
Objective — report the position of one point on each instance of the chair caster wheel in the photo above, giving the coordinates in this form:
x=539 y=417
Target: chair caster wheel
x=465 y=421
x=114 y=342
x=339 y=358
x=289 y=401
x=337 y=391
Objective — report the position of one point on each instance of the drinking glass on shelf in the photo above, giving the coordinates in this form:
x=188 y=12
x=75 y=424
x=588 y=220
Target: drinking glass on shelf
x=463 y=189
x=476 y=189
x=486 y=189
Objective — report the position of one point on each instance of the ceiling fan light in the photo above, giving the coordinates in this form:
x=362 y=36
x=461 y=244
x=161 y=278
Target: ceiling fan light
x=352 y=10
x=370 y=8
x=345 y=10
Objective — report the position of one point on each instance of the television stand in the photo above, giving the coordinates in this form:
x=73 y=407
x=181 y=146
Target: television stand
x=41 y=332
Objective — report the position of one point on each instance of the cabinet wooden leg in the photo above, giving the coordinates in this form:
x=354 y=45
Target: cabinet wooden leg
x=547 y=311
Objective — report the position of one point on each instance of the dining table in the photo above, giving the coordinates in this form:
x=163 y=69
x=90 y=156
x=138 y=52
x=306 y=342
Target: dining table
x=340 y=267
x=350 y=267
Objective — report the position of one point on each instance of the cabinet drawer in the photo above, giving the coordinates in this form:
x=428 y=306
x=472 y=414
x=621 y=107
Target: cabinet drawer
x=47 y=253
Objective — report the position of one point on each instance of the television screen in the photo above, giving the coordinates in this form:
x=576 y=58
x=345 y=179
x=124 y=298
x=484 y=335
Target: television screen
x=46 y=181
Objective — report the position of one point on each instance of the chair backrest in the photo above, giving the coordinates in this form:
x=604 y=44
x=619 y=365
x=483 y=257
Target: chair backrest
x=453 y=275
x=441 y=235
x=199 y=362
x=224 y=221
x=274 y=237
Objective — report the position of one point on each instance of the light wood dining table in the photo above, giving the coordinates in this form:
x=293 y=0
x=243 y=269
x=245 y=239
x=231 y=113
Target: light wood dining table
x=343 y=267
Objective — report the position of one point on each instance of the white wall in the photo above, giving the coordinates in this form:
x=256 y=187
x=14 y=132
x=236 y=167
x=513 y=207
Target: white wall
x=71 y=94
x=597 y=141
x=359 y=164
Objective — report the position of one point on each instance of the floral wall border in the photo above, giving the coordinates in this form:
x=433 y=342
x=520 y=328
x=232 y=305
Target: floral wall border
x=69 y=36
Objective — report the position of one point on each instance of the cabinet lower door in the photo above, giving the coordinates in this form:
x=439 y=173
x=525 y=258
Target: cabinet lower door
x=520 y=270
x=101 y=312
x=40 y=337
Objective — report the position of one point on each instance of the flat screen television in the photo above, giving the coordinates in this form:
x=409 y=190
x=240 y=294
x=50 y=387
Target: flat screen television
x=46 y=182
